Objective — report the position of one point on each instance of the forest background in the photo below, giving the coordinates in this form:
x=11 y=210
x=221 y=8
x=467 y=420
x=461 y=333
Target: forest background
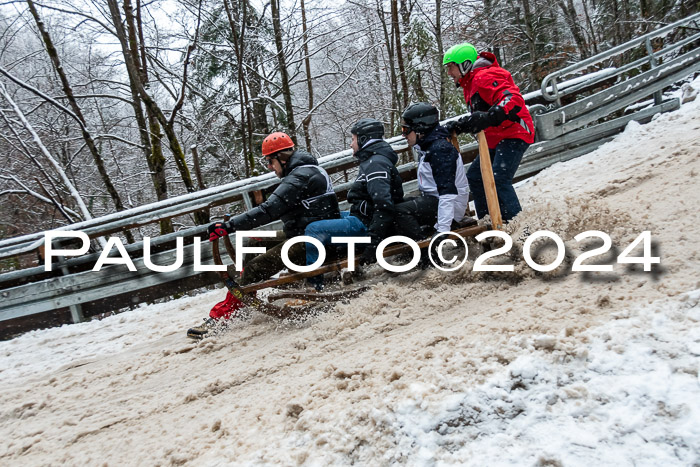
x=107 y=105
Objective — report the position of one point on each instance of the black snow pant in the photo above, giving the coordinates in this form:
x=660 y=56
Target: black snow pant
x=416 y=216
x=505 y=159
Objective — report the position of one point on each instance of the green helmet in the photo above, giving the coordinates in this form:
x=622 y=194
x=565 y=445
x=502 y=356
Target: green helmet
x=464 y=55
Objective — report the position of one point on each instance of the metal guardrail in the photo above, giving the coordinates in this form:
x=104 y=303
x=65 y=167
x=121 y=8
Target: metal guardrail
x=590 y=109
x=559 y=141
x=550 y=90
x=661 y=74
x=89 y=286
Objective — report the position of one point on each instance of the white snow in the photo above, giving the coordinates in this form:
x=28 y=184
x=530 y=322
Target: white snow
x=427 y=368
x=628 y=396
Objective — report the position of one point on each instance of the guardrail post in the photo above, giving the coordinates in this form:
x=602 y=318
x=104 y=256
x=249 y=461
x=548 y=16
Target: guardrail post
x=248 y=202
x=76 y=311
x=658 y=98
x=555 y=90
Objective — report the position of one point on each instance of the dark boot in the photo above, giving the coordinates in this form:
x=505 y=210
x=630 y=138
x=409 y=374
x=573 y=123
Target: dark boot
x=199 y=332
x=316 y=282
x=466 y=222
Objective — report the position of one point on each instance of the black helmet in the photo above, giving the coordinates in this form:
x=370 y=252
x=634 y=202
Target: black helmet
x=367 y=129
x=421 y=117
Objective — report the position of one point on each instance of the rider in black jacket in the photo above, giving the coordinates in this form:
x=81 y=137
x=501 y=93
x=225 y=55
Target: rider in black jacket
x=378 y=187
x=305 y=195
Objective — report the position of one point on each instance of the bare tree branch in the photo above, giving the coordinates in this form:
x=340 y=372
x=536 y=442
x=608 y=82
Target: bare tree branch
x=37 y=140
x=347 y=78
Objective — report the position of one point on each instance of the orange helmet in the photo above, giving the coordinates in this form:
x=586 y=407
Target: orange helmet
x=276 y=142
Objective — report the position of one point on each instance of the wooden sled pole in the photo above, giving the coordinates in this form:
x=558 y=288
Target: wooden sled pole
x=455 y=142
x=489 y=183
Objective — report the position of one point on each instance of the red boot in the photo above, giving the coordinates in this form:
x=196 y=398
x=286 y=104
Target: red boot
x=219 y=314
x=226 y=309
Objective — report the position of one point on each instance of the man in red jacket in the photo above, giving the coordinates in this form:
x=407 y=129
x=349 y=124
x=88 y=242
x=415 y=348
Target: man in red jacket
x=498 y=108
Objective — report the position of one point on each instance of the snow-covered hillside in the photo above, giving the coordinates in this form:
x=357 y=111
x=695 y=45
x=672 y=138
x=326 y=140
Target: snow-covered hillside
x=522 y=368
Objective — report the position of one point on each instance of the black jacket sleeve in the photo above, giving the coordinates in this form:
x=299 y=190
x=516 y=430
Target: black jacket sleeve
x=378 y=174
x=443 y=157
x=286 y=196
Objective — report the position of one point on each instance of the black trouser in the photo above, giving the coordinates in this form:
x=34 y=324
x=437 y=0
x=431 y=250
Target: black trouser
x=505 y=159
x=263 y=266
x=415 y=215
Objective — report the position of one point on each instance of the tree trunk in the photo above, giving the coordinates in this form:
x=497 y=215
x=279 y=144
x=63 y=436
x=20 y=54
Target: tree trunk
x=309 y=84
x=68 y=91
x=619 y=33
x=627 y=28
x=198 y=173
x=441 y=53
x=567 y=7
x=389 y=38
x=530 y=31
x=154 y=155
x=134 y=73
x=239 y=50
x=255 y=81
x=593 y=40
x=399 y=52
x=492 y=30
x=284 y=74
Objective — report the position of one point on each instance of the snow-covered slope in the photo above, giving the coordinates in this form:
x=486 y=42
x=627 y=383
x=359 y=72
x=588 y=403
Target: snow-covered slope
x=559 y=368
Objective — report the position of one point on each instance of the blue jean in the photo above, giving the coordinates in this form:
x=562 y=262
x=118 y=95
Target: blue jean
x=505 y=159
x=346 y=226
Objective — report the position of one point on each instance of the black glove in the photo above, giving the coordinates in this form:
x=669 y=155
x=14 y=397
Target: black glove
x=473 y=123
x=220 y=229
x=454 y=126
x=476 y=122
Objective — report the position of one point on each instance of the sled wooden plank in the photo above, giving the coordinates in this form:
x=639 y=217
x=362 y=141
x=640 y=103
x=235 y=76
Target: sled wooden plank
x=297 y=276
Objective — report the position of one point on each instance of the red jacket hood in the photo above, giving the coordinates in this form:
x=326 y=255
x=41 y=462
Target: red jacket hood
x=493 y=84
x=478 y=66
